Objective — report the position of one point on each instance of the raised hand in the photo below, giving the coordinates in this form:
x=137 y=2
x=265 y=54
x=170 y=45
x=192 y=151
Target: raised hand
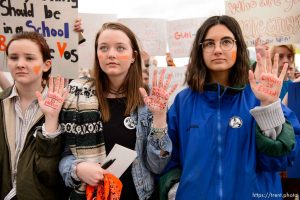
x=268 y=86
x=158 y=100
x=78 y=25
x=52 y=104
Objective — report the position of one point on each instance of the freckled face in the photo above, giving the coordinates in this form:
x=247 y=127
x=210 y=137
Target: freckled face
x=115 y=54
x=25 y=62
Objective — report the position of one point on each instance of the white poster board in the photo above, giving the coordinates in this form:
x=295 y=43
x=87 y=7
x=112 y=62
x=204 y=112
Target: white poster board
x=181 y=35
x=178 y=77
x=92 y=23
x=277 y=22
x=151 y=34
x=53 y=19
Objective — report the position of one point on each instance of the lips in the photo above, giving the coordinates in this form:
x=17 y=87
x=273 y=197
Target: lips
x=21 y=73
x=218 y=60
x=112 y=63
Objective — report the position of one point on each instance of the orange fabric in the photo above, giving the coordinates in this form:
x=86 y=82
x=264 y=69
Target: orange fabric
x=108 y=189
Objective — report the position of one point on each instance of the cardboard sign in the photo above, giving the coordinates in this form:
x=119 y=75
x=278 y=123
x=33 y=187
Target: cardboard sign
x=92 y=24
x=53 y=19
x=181 y=35
x=275 y=22
x=151 y=34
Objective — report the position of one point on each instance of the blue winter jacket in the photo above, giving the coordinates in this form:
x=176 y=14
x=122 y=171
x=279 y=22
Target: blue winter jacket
x=214 y=144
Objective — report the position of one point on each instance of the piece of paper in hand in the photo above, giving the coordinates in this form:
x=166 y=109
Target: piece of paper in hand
x=124 y=157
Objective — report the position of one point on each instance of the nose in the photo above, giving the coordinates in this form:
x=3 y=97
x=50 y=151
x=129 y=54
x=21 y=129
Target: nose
x=20 y=63
x=111 y=53
x=218 y=48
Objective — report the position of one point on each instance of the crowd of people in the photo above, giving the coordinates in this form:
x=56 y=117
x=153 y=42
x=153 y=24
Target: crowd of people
x=227 y=135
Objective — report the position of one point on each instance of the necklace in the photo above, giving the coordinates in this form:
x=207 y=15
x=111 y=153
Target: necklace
x=116 y=92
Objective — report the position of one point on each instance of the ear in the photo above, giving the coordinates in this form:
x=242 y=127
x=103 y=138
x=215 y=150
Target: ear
x=47 y=65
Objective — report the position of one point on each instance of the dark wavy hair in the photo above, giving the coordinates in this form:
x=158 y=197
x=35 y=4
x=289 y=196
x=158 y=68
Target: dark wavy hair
x=197 y=71
x=133 y=80
x=40 y=41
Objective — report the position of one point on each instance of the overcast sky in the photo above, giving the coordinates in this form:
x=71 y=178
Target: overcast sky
x=165 y=9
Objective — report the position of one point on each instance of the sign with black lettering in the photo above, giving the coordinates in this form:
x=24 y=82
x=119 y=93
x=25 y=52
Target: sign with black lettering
x=54 y=19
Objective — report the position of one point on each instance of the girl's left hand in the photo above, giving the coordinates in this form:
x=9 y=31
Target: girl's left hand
x=268 y=87
x=157 y=101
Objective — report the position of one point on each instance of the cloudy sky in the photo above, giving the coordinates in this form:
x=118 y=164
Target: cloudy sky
x=165 y=9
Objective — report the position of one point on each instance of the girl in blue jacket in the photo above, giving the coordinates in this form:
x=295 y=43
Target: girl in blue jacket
x=230 y=138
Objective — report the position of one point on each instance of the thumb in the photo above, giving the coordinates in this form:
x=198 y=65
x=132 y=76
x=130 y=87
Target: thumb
x=143 y=92
x=252 y=80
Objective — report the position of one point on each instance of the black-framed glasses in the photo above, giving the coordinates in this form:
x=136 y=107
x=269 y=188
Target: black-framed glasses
x=226 y=44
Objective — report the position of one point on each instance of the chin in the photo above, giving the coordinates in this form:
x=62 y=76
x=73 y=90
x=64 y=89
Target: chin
x=221 y=68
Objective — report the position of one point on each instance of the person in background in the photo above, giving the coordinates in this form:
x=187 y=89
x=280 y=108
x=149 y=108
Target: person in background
x=230 y=138
x=113 y=108
x=169 y=60
x=297 y=72
x=30 y=140
x=286 y=56
x=145 y=74
x=145 y=58
x=291 y=177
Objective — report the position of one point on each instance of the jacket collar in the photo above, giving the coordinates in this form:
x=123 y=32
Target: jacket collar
x=224 y=89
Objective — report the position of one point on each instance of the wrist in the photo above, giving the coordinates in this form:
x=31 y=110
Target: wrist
x=160 y=121
x=266 y=103
x=51 y=125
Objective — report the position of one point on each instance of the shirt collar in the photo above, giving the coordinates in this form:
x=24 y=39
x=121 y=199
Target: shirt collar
x=14 y=92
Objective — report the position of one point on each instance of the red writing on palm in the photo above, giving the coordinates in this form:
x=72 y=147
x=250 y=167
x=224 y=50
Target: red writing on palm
x=268 y=85
x=157 y=101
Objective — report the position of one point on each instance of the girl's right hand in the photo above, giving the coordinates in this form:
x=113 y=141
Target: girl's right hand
x=90 y=173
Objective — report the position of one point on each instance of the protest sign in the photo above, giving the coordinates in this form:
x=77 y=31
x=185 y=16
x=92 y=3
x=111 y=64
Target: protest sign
x=53 y=19
x=275 y=22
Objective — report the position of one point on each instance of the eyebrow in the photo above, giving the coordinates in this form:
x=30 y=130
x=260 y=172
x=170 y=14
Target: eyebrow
x=26 y=54
x=226 y=37
x=118 y=43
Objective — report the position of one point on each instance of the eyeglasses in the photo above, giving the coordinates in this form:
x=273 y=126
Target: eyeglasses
x=226 y=44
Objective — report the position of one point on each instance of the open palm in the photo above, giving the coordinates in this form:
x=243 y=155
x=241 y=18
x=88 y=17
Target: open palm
x=268 y=85
x=57 y=93
x=157 y=101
